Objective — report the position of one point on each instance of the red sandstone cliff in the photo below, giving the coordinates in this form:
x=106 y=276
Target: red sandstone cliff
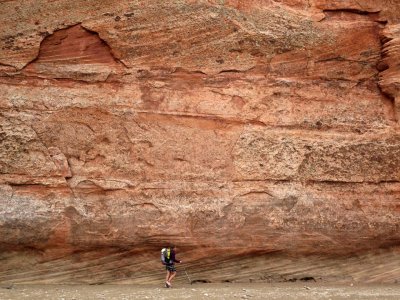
x=260 y=136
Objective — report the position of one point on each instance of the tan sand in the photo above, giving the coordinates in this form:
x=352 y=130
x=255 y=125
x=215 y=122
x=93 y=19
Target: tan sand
x=202 y=291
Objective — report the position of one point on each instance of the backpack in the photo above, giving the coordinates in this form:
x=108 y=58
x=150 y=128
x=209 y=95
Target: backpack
x=165 y=255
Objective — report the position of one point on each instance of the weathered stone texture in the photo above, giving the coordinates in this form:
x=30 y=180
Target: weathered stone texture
x=260 y=136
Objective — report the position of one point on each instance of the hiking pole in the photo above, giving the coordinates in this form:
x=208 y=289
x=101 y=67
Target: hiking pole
x=187 y=275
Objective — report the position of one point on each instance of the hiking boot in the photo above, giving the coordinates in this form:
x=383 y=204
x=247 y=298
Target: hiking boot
x=167 y=285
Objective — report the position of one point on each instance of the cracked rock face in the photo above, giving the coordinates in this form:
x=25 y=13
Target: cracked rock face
x=261 y=137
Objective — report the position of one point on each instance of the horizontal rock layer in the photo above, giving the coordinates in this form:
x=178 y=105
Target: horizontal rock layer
x=261 y=137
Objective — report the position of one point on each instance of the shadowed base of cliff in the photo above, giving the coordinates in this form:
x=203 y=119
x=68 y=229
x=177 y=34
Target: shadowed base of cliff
x=204 y=265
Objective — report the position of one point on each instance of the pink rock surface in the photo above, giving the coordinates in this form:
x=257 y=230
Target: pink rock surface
x=260 y=136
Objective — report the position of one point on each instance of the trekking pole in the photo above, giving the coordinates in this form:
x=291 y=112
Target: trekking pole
x=187 y=275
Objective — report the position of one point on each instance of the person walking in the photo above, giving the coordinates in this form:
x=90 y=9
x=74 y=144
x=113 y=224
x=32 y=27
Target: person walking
x=169 y=261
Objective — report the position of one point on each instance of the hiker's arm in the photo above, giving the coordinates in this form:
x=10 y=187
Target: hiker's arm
x=174 y=258
x=177 y=260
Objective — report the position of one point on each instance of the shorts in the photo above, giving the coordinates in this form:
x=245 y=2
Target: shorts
x=170 y=268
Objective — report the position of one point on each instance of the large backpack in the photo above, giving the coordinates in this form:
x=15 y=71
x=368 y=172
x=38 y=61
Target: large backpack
x=165 y=255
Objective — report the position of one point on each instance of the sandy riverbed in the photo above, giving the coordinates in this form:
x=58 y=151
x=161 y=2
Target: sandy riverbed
x=202 y=291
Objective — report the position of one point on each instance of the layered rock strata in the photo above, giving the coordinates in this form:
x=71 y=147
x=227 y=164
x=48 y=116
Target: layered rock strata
x=262 y=137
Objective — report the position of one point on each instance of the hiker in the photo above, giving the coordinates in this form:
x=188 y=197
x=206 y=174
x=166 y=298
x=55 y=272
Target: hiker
x=168 y=259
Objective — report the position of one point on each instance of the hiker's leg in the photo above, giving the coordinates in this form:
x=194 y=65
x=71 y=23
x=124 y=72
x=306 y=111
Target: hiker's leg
x=172 y=276
x=167 y=277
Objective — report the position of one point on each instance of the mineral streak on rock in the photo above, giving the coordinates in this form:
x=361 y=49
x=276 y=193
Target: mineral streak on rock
x=260 y=136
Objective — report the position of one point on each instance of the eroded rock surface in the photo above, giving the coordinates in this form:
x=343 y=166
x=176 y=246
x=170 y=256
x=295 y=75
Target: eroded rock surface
x=262 y=137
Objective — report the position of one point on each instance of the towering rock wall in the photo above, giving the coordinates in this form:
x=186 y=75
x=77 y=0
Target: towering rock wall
x=260 y=136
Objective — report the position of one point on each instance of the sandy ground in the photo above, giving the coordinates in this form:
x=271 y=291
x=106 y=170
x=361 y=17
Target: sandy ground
x=202 y=291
